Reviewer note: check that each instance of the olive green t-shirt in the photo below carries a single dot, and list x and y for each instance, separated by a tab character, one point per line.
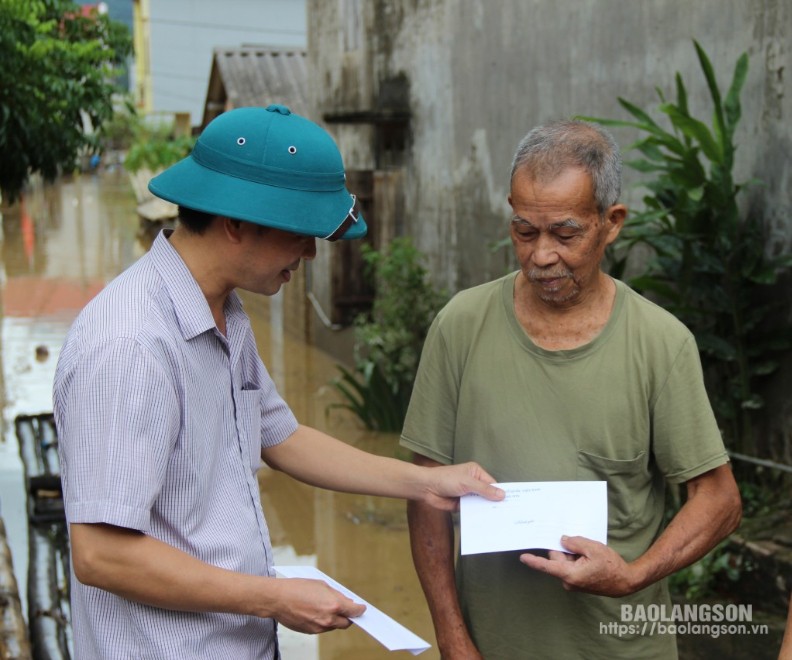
629	408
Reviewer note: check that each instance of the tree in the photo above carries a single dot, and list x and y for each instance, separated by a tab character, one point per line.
56	86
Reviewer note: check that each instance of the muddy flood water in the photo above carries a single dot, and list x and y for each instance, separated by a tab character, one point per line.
58	250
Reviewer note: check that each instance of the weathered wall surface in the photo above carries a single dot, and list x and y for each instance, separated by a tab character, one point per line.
481	73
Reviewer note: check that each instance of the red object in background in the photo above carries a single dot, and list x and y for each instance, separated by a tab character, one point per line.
28	228
33	297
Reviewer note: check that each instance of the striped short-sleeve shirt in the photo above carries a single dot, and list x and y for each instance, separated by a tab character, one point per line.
161	420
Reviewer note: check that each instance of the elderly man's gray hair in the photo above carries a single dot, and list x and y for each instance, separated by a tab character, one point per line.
546	151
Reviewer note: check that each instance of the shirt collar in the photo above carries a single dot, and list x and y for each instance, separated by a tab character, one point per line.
189	303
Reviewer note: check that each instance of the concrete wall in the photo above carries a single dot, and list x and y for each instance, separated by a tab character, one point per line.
481	73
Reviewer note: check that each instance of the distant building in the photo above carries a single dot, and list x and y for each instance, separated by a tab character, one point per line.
175	40
256	76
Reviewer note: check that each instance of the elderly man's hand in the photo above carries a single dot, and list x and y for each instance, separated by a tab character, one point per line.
593	567
446	484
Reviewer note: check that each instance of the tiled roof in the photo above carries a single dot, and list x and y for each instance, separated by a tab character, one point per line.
250	76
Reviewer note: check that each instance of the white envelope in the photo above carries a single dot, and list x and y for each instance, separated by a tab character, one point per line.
388	632
534	514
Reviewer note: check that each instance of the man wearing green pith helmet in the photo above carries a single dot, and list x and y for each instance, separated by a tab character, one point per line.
164	411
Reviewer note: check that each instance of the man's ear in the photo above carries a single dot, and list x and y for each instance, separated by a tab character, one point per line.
615	217
232	229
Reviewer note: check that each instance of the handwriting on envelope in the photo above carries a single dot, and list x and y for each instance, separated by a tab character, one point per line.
534	514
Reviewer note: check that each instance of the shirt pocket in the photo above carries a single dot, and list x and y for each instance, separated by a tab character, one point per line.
249	420
629	485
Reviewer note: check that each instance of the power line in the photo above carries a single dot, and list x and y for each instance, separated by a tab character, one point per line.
179	76
161	93
218	26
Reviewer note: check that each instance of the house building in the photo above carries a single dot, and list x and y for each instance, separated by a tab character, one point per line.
256	76
175	40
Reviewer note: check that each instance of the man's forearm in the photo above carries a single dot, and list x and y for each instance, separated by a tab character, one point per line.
322	460
432	544
139	567
712	511
143	569
431	540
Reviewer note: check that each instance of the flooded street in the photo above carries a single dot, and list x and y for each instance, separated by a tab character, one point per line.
58	250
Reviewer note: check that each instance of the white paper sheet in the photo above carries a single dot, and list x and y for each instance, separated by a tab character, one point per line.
388	632
534	514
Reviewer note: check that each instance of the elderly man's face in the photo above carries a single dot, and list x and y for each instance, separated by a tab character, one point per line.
558	235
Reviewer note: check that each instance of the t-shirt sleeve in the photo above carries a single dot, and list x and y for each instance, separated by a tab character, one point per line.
117	427
685	436
430	424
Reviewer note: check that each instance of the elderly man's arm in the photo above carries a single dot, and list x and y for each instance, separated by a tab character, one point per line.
712	511
432	542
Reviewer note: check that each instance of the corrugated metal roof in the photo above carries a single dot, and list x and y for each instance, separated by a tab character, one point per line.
256	76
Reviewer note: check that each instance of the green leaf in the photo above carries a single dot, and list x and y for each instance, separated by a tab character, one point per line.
682	103
696	130
765	275
765	368
712	84
716	346
644	166
732	104
781	262
754	402
649	148
611	122
646	120
646	283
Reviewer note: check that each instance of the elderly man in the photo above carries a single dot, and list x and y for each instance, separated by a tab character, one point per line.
164	411
559	372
